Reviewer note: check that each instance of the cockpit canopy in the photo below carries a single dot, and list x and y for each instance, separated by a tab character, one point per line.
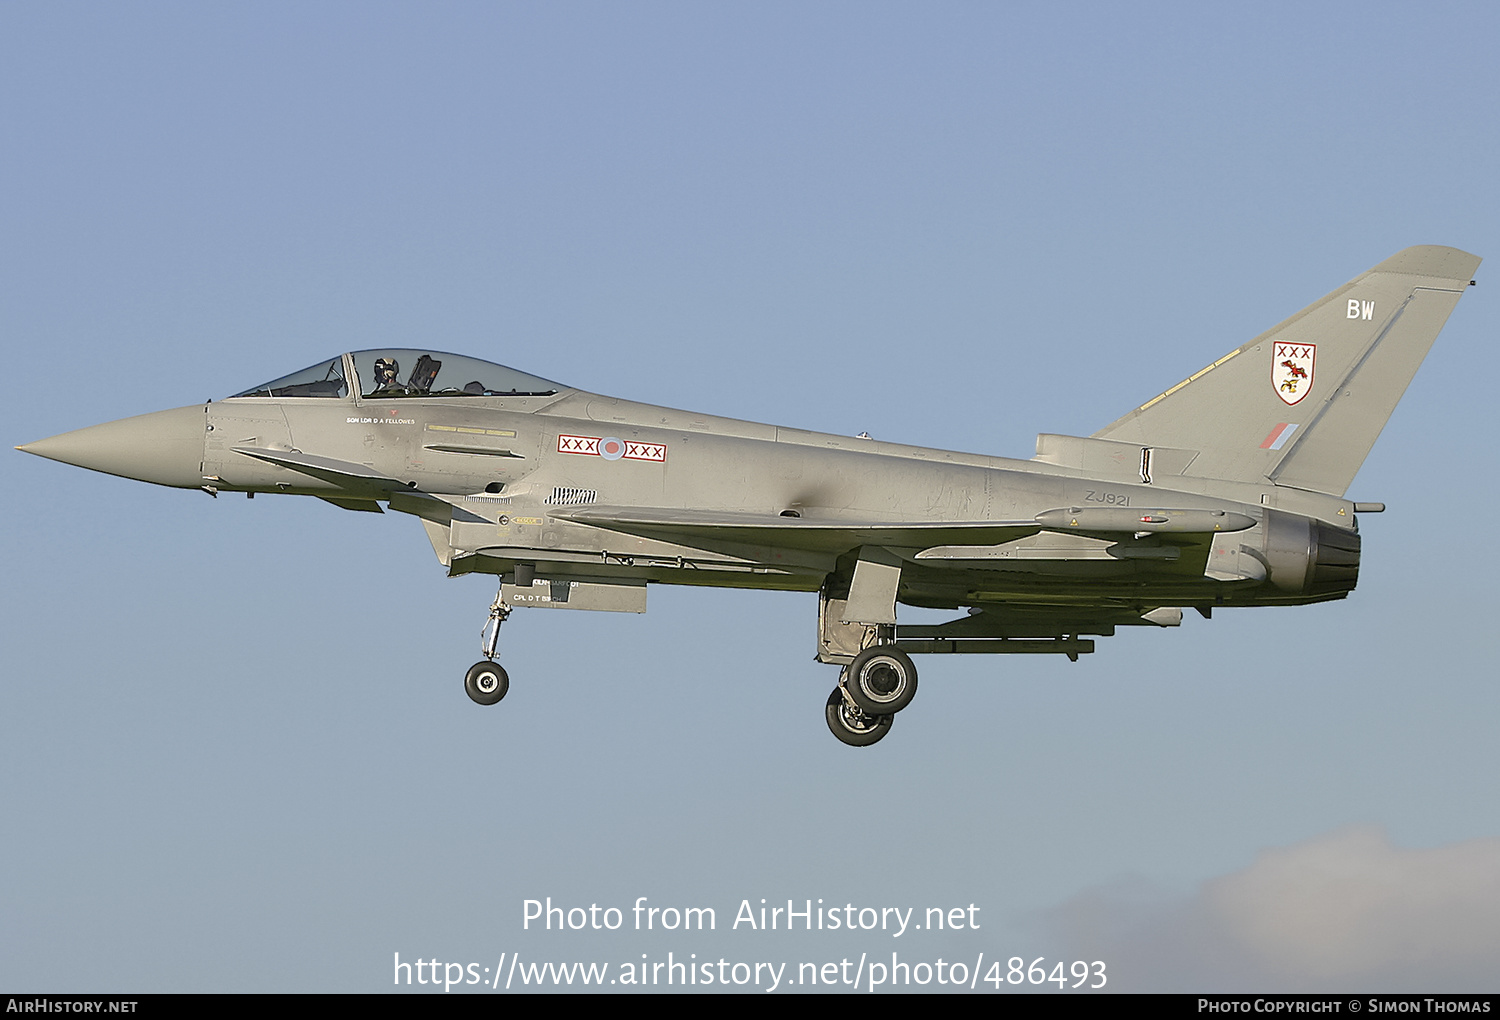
385	374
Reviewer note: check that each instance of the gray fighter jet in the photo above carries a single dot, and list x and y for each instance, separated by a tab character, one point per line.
1225	490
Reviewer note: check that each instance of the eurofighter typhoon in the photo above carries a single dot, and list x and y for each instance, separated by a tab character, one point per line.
1226	490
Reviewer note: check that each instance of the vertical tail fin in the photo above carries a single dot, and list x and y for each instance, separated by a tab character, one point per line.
1302	403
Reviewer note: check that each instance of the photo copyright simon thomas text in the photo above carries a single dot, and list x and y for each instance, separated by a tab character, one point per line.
1381	1004
869	972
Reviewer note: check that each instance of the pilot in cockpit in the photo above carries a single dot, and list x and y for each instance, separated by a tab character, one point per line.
385	375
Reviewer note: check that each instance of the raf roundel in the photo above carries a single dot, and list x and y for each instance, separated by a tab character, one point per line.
611	448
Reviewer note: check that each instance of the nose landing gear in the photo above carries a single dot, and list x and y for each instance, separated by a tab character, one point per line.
486	682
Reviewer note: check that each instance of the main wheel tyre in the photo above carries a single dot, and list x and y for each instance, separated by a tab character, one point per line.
852	726
881	680
486	682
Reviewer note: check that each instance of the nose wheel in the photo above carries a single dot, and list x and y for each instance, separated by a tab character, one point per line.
486	682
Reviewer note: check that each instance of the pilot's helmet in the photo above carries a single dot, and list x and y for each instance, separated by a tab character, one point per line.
385	372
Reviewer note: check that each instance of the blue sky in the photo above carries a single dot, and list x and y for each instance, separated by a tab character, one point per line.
234	749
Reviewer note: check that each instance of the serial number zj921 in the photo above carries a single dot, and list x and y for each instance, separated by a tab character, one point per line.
1111	498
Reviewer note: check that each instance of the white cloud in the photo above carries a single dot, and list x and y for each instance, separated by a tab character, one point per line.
1343	912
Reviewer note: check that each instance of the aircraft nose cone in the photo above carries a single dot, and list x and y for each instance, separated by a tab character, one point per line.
165	447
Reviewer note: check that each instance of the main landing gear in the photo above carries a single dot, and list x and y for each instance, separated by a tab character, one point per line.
486	682
880	682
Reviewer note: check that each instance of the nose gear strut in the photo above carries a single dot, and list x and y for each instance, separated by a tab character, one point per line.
499	613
